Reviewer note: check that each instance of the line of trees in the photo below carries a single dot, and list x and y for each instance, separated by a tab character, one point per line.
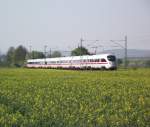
16	57
13	57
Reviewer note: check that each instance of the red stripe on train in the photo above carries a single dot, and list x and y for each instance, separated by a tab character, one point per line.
68	64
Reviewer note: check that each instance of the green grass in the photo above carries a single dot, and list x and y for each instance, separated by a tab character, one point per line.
32	98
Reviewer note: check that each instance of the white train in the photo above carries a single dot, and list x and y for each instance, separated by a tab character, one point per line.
102	61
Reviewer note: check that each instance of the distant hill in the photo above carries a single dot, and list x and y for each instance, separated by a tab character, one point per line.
134	53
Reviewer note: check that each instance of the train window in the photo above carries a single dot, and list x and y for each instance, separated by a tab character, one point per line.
84	60
103	60
36	63
96	60
91	60
111	58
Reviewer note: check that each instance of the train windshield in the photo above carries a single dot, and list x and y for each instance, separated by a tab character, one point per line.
111	58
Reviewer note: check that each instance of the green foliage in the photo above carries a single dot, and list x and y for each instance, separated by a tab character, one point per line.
10	56
16	57
57	98
36	55
80	51
56	54
19	55
147	63
3	61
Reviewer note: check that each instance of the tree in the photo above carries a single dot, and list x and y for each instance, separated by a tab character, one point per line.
36	55
19	56
147	63
80	51
56	54
3	60
10	56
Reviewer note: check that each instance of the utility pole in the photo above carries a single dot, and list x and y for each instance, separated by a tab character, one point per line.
81	43
125	49
50	53
126	52
81	40
96	47
45	46
30	52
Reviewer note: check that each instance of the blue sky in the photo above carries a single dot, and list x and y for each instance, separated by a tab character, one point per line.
60	24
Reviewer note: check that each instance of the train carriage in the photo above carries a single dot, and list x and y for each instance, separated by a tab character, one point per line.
102	61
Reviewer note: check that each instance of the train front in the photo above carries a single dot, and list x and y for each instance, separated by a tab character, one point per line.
112	62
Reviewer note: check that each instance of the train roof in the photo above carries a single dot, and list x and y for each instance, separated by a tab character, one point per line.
70	58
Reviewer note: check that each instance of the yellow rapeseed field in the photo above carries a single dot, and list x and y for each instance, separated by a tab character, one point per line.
62	98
